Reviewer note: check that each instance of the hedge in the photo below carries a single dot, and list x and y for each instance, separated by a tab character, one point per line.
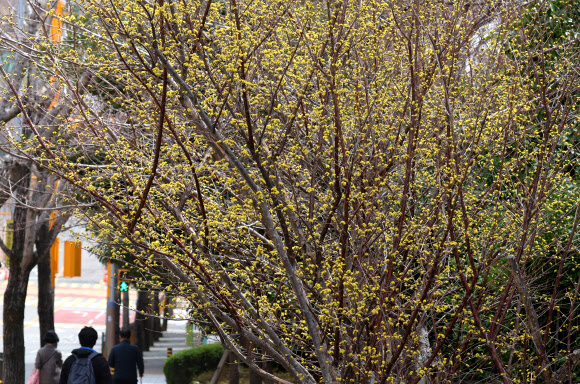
183	366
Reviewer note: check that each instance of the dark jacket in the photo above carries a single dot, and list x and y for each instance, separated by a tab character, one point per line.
125	358
51	361
100	367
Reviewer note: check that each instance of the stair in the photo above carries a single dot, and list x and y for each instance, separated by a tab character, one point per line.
173	338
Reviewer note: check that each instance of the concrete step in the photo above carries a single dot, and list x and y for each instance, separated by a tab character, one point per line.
173	338
170	339
163	350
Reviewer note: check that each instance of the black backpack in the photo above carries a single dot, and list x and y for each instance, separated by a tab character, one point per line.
81	371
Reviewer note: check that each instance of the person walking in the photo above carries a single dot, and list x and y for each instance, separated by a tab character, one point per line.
77	367
126	359
49	360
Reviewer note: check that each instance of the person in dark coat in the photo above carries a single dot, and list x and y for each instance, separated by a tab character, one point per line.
49	360
88	338
125	359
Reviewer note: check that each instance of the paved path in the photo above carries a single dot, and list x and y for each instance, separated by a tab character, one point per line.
173	338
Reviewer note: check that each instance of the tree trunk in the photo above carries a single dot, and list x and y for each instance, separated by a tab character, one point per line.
255	378
149	321
141	339
234	370
267	366
156	318
167	311
45	288
20	264
45	296
220	368
14	301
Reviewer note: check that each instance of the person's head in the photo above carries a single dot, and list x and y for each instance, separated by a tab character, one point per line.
125	333
88	337
51	337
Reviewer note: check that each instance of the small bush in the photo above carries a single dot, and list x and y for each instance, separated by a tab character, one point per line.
183	366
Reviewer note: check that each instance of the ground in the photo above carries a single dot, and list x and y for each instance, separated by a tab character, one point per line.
205	378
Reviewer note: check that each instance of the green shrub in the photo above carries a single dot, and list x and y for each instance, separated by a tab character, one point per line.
183	366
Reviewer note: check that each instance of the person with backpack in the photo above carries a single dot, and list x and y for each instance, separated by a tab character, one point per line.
49	360
85	365
125	359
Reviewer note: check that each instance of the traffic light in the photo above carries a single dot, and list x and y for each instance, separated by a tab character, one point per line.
123	281
123	286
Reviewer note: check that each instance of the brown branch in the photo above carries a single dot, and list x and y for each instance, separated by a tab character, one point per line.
9	114
5	249
26	116
156	155
531	317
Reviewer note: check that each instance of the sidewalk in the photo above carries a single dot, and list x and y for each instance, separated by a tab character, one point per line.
173	338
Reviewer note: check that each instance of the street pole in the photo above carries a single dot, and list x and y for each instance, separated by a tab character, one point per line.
125	296
112	311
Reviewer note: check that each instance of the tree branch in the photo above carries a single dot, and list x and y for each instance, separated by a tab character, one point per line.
9	114
562	375
5	249
531	317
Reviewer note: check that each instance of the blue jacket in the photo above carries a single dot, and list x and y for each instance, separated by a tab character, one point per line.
124	357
